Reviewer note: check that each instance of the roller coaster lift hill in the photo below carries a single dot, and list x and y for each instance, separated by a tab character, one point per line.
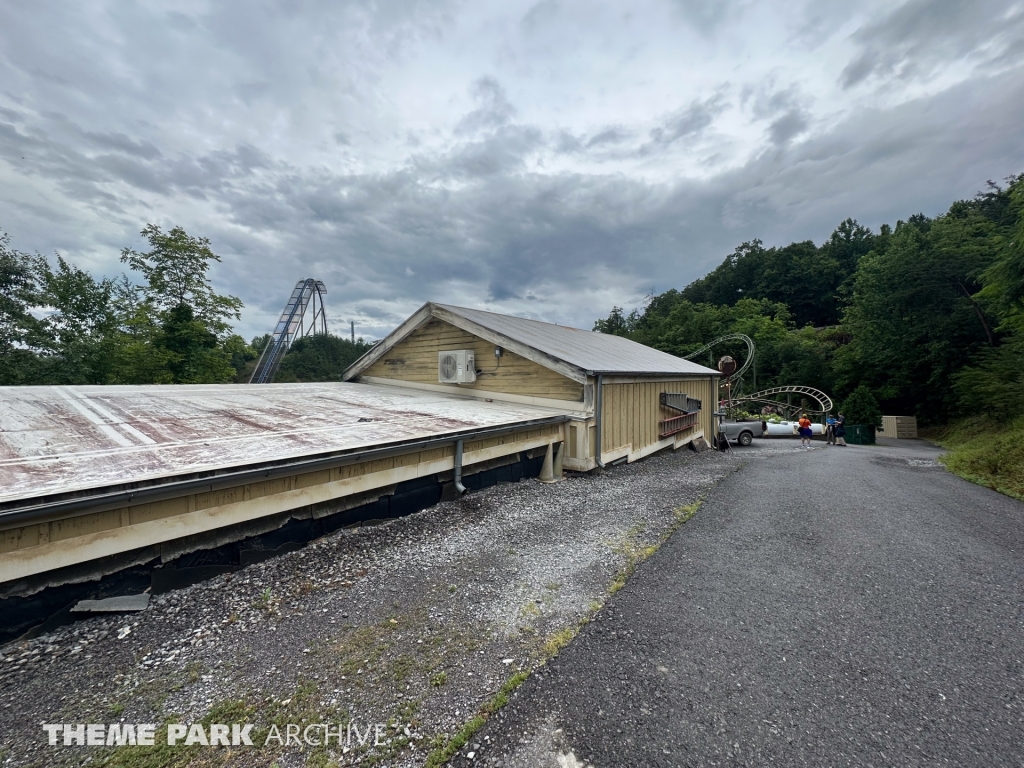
303	315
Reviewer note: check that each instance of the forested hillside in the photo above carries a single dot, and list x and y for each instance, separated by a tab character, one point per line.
926	314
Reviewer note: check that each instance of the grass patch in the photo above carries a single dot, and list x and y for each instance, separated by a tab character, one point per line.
558	641
685	512
162	755
986	452
444	750
636	554
530	610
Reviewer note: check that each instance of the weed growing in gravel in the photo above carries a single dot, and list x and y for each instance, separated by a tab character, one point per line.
685	512
266	602
530	610
444	750
636	554
558	641
360	647
439	679
402	667
161	755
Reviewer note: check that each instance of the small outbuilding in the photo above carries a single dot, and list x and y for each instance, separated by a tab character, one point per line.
625	400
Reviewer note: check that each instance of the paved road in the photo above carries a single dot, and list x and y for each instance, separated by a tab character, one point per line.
834	607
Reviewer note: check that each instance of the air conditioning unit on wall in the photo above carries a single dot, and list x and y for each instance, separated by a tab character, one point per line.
457	366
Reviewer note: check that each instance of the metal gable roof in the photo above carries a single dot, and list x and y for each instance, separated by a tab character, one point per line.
588	350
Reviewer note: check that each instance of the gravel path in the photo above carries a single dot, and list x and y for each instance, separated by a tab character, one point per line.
416	623
833	607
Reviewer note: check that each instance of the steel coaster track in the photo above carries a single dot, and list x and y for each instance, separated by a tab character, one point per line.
291	326
765	396
731	337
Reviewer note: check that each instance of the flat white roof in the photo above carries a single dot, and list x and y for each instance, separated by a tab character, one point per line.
56	440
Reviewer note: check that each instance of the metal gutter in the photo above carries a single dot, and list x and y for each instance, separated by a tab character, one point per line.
85	505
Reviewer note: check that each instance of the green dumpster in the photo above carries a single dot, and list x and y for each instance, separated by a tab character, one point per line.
860	434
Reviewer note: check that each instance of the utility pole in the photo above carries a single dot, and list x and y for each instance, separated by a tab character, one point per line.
353	331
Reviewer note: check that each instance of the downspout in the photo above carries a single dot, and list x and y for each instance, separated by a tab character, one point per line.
458	467
597	420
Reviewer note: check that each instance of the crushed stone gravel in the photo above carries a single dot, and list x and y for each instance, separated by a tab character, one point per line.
415	623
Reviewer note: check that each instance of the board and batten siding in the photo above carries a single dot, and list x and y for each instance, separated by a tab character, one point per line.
631	410
415	360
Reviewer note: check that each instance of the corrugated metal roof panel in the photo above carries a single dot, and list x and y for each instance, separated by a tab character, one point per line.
589	350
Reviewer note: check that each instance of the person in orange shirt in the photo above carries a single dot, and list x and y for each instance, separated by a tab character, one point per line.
805	431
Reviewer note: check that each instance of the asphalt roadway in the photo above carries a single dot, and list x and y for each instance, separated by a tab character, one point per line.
832	607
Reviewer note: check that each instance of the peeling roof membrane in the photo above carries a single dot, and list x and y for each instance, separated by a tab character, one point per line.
589	350
65	439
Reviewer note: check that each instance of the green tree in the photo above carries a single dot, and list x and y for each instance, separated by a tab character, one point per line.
617	323
20	330
861	407
175	271
195	354
76	337
320	357
994	383
811	281
239	354
135	356
915	319
1003	279
192	317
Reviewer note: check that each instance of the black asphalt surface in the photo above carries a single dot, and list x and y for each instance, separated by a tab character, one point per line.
833	607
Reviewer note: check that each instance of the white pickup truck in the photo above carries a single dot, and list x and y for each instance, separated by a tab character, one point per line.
742	432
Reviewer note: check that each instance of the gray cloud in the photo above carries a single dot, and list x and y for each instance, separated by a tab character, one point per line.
708	15
494	109
920	36
688	122
785	109
316	143
789	125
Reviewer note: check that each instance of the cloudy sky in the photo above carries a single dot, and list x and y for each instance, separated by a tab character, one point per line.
547	158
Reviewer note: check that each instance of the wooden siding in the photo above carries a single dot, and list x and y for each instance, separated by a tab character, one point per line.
415	359
41	547
631	412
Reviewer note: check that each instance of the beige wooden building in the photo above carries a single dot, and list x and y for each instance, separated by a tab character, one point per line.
94	480
612	388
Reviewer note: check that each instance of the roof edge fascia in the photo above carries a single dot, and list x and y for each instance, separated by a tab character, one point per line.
638	374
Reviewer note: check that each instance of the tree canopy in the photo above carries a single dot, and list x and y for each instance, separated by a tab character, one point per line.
60	325
928	315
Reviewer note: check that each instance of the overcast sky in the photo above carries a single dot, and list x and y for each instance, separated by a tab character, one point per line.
548	159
